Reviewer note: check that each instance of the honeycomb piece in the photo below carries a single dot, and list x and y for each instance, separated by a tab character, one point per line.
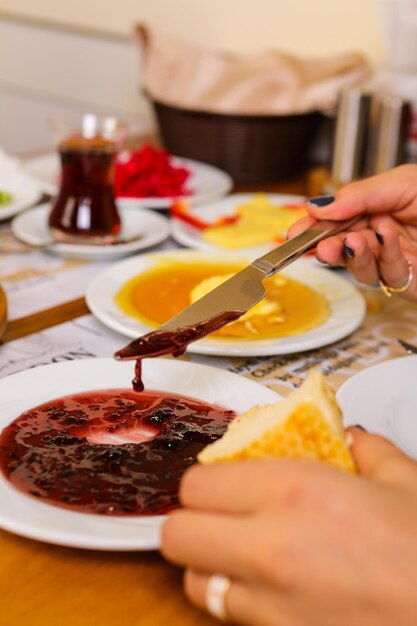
307	424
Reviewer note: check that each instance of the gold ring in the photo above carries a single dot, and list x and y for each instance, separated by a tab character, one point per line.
216	592
388	291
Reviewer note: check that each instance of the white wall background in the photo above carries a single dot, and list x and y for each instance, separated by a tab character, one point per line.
305	26
57	55
45	71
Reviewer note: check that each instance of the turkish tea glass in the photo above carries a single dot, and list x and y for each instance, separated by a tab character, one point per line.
85	210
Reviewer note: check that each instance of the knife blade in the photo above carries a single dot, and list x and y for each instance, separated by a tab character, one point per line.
234	297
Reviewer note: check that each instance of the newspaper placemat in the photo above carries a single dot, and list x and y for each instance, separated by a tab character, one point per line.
82	338
36	280
376	341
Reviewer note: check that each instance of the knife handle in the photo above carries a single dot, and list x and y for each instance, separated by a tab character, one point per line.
291	250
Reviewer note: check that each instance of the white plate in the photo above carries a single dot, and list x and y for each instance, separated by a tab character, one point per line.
206	181
346	303
45	168
383	399
24	191
190	237
32	227
28	517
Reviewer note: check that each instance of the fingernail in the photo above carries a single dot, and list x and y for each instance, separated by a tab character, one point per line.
348	251
360	427
320	201
329	265
379	238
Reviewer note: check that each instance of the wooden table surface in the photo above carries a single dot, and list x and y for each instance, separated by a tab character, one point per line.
46	585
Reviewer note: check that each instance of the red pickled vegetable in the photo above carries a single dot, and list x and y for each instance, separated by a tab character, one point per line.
149	172
181	211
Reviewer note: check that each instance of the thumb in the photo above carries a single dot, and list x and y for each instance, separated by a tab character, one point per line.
384	193
381	460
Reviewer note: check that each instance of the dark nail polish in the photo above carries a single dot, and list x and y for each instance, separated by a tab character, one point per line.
360	428
379	238
320	201
348	251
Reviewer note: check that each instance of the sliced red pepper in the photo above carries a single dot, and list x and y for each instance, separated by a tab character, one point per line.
181	211
279	239
298	206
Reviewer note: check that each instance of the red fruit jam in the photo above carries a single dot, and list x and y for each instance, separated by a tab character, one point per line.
113	452
174	342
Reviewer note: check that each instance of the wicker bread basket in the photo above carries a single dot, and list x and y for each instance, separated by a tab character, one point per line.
251	148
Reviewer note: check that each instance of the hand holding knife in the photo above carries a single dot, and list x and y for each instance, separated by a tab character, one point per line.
230	300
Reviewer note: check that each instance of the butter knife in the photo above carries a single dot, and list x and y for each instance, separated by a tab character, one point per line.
230	300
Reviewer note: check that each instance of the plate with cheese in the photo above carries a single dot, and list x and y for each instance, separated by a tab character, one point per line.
243	222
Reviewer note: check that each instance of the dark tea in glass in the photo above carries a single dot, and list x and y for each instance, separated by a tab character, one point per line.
85	207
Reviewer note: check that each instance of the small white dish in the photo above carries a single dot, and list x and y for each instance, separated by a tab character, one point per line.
24	192
206	181
191	237
347	306
26	516
383	400
31	227
45	168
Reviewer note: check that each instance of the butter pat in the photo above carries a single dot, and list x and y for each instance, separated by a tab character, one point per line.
264	308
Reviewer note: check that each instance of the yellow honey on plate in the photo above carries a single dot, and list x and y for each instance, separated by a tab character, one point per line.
169	286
